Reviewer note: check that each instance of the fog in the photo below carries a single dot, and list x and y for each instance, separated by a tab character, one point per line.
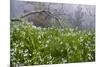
70	15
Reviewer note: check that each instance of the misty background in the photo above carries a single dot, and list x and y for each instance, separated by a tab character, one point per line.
57	14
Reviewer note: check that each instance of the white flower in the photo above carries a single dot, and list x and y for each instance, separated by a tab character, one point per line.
20	51
50	57
68	49
12	53
48	41
89	58
46	45
26	50
61	42
23	33
63	60
50	62
89	55
44	28
39	37
75	47
15	49
29	60
40	42
14	44
79	31
30	54
22	45
67	44
81	39
57	38
38	28
17	29
61	50
34	26
68	34
89	33
62	29
71	30
12	50
25	54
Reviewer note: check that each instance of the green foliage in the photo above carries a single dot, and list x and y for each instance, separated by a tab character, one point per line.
32	45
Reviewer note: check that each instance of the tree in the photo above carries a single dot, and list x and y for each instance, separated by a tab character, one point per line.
46	17
78	17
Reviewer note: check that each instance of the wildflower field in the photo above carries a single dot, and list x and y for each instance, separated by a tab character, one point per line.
30	45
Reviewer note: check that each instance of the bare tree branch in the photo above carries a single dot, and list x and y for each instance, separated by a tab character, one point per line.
41	11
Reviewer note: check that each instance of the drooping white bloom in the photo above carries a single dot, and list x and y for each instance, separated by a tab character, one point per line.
71	30
34	26
63	60
46	45
26	50
17	29
62	50
61	42
20	51
40	42
39	28
39	37
48	41
25	54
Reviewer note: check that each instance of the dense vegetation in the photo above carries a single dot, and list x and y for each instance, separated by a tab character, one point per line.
32	45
